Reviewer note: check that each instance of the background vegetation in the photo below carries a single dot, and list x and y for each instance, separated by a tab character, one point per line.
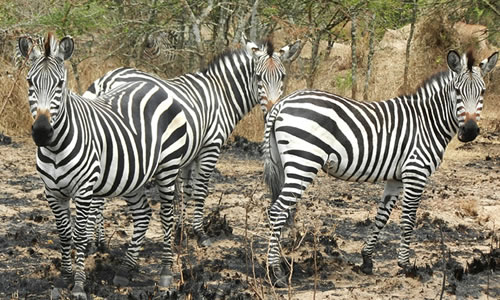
351	47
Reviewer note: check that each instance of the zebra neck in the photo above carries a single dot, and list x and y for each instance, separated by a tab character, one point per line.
437	111
65	125
235	79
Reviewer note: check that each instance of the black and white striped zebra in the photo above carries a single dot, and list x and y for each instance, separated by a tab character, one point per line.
400	141
214	101
161	45
105	147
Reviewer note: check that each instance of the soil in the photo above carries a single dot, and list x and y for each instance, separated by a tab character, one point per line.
456	235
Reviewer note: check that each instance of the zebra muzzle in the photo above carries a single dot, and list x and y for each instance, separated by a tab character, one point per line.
42	131
468	132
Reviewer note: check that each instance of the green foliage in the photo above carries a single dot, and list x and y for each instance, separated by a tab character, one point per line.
344	82
8	14
77	19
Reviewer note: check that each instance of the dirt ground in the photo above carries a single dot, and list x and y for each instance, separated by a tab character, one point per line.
462	198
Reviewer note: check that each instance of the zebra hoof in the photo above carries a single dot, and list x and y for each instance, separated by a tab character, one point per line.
78	292
67	278
102	248
367	266
166	277
404	267
120	280
204	241
281	279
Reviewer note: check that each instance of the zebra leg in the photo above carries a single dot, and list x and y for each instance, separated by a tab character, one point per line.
279	213
391	193
95	224
83	203
200	177
166	190
60	209
413	189
140	211
101	238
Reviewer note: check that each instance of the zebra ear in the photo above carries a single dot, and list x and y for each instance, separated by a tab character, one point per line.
26	48
66	47
291	51
244	39
488	64
251	47
454	62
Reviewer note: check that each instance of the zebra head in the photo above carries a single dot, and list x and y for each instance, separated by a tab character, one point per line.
269	70
469	88
47	82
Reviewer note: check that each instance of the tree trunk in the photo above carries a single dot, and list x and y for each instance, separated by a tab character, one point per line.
408	45
195	29
371	51
74	65
243	21
354	68
219	39
288	63
254	21
314	61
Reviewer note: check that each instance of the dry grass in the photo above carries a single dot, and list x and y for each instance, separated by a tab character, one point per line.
469	208
252	126
15	118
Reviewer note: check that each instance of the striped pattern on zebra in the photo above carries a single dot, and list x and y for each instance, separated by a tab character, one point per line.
400	141
161	45
106	147
214	101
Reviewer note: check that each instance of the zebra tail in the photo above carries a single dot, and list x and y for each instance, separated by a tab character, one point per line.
274	175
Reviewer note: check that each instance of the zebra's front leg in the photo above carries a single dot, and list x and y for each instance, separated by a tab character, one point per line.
166	190
60	209
141	212
83	202
411	201
391	193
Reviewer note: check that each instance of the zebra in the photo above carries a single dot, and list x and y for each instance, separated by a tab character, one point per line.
214	101
161	44
400	141
105	147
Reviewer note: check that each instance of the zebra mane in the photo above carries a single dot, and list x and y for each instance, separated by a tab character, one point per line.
230	52
220	57
470	60
269	46
441	78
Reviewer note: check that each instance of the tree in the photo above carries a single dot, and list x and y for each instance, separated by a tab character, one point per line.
408	44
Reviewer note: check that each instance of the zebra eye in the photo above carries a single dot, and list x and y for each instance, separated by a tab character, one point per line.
259	77
482	92
60	83
30	83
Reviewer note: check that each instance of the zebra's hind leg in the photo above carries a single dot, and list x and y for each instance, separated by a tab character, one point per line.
279	214
391	193
166	189
95	224
140	211
199	191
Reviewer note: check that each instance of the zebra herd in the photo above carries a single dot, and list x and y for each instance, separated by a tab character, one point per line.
130	127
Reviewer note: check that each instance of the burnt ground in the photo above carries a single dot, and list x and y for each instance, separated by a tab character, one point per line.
461	204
